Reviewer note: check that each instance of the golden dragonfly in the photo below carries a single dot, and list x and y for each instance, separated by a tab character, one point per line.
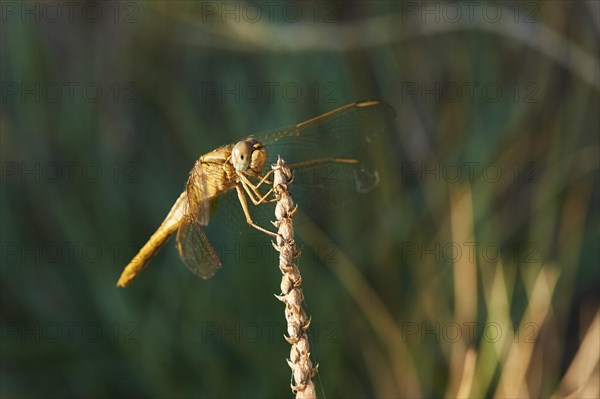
336	137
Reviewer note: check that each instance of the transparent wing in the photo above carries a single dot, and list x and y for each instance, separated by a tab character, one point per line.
347	132
198	189
195	249
356	131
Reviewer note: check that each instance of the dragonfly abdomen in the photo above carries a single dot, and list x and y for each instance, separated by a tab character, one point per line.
156	241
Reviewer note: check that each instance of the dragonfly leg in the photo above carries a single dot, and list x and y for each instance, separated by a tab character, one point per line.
255	186
249	185
244	203
265	177
263	199
252	190
263	180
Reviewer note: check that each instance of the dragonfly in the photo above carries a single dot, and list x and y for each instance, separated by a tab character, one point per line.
337	137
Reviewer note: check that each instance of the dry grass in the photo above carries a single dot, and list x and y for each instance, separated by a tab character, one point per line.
291	282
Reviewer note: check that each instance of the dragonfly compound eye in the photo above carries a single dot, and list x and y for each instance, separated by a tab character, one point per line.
241	155
259	157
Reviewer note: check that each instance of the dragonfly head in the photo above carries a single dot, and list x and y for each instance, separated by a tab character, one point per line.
249	155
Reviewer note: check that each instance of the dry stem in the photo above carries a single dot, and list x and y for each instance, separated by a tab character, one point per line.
291	291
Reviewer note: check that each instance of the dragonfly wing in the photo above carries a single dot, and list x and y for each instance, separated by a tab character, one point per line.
198	190
356	131
347	132
195	249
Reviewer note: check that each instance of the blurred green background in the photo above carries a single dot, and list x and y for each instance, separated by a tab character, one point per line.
471	271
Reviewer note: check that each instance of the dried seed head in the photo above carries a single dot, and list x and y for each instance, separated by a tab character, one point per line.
286	231
291	281
302	346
